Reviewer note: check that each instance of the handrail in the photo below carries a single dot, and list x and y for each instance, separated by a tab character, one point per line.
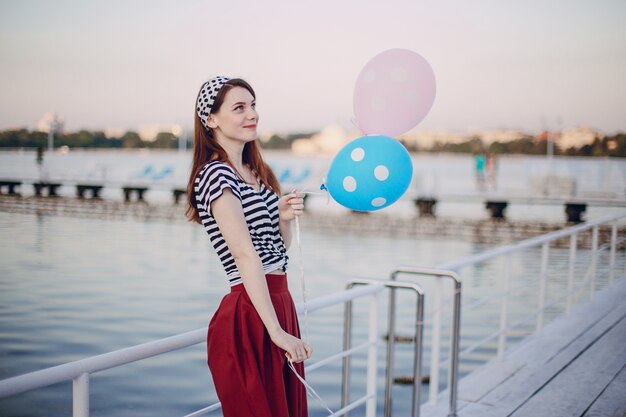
505	251
574	290
528	243
417	360
456	329
72	370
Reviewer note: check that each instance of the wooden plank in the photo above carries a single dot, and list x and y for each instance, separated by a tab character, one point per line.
482	381
537	350
536	360
542	348
612	401
474	409
507	385
574	388
561	337
522	386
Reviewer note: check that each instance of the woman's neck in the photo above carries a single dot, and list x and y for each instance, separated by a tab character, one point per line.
234	151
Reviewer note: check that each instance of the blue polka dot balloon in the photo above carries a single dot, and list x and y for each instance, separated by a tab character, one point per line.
370	173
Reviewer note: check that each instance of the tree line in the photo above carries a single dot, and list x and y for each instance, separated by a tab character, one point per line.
23	138
613	146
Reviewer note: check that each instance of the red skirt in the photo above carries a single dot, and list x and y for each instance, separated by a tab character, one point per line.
251	375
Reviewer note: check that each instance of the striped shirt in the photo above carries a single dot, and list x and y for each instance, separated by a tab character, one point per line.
260	209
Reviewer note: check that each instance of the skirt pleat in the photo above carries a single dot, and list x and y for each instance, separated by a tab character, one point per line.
251	375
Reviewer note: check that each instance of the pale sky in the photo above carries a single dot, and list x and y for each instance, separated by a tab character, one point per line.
499	64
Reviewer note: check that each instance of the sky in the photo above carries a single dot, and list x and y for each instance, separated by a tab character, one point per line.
120	65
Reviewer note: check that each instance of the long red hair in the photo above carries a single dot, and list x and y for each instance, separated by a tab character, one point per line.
206	149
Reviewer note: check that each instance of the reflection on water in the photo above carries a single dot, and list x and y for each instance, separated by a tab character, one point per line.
73	288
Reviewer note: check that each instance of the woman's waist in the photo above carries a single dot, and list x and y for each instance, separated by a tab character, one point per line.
276	282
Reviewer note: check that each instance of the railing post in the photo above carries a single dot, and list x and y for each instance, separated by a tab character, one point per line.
435	344
594	261
372	358
417	365
417	357
391	334
504	307
456	323
347	335
613	248
542	284
573	241
80	397
453	375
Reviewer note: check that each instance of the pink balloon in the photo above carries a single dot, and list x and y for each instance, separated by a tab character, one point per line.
393	93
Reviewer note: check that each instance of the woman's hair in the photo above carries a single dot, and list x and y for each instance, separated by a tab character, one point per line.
206	149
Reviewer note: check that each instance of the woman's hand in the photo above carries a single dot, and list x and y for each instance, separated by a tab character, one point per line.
290	206
295	349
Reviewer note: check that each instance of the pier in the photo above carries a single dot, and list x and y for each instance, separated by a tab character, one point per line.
576	366
494	203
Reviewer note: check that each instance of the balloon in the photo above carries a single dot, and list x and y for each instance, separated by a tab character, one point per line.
370	173
393	93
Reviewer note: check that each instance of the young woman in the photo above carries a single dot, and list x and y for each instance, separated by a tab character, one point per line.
234	194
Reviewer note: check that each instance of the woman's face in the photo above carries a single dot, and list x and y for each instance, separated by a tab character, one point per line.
237	117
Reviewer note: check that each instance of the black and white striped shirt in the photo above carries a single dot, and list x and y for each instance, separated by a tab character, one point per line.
260	209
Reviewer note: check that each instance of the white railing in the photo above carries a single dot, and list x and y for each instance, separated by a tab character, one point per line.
505	254
80	371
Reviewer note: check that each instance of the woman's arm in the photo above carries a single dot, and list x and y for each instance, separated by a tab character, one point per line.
289	206
229	217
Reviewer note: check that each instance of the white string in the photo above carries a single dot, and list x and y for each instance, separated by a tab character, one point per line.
301	264
302	284
312	192
301	267
309	389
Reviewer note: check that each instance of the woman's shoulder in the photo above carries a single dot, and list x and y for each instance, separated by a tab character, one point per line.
213	178
217	168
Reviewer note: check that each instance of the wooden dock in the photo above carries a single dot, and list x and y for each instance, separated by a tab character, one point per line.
575	367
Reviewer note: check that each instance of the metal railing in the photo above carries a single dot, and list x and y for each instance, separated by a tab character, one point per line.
80	371
505	253
417	358
438	274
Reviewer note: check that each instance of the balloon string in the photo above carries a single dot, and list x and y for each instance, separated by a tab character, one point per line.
309	389
302	284
324	191
301	268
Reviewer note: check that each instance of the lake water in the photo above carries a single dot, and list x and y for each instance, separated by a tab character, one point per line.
72	288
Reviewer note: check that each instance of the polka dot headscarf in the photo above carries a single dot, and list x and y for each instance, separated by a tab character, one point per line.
206	98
